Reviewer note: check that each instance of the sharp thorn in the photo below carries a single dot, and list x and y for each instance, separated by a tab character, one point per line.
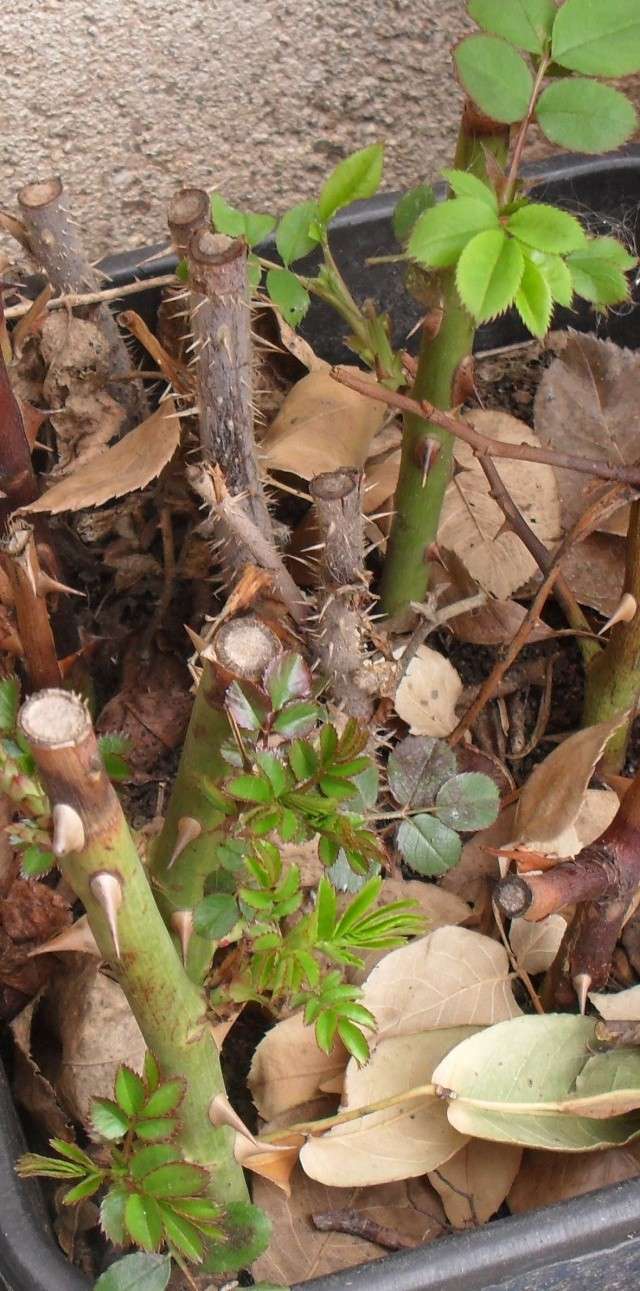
182	923
68	830
581	986
106	888
188	830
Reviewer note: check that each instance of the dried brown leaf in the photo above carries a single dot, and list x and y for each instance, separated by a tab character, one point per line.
475	1182
31	1088
453	977
495	623
472	524
427	694
321	426
594	569
547	1177
399	1142
553	795
278	1083
535	945
128	465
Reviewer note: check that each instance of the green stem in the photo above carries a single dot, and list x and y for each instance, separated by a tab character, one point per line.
422	482
98	859
613	679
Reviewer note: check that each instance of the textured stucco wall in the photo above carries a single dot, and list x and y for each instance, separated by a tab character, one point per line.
259	98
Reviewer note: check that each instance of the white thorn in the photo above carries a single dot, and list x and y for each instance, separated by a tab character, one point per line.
581	986
624	613
68	830
107	890
47	585
182	923
188	830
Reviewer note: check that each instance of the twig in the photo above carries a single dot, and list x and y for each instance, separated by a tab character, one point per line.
515	964
431	621
20	560
356	1224
77	300
483	445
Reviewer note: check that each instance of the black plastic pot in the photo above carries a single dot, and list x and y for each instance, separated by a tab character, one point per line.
587	1244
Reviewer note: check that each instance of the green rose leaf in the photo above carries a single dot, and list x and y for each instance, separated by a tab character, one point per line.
156	1128
136	1273
86	1188
254	272
525	23
216	915
257	227
143	1221
288	677
464	184
288	295
533	299
113	750
557	275
601	38
108	1120
146	1159
226	219
529	1079
176	1179
495	76
247	1233
489	273
34	862
293	239
545	228
468	801
163	1100
585	115
417	767
598	271
296	720
356	177
9	701
181	1233
129	1091
427	845
442	233
251	788
112	1215
410	206
247	704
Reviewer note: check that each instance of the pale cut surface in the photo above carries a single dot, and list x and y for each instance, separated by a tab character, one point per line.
278	1080
453	977
474	1183
472	524
398	1142
130	464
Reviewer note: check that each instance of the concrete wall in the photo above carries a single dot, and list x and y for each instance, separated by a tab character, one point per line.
259	98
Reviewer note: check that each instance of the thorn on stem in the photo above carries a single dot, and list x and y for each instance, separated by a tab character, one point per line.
581	986
182	924
187	831
107	890
68	830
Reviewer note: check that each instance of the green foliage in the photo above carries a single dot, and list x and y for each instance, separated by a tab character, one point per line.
114	748
254	228
524	23
598	39
356	177
293	237
428	846
136	1273
288	294
495	76
441	233
598	271
533	300
489	273
410	206
585	115
9	701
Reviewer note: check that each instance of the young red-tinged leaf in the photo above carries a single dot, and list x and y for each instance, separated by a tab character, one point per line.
464	184
108	1120
166	1098
585	116
293	240
353	1040
328	850
428	846
129	1091
442	233
176	1179
495	76
143	1221
489	273
216	915
150	1072
328	742
286	678
599	39
247	1232
181	1233
200	1209
274	770
136	1273
112	1215
468	801
85	1188
288	295
296	719
156	1129
149	1158
356	177
251	788
545	228
524	23
533	300
247	704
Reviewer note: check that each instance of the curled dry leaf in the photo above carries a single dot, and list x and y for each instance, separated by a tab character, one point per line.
472	524
552	796
400	1142
547	1177
277	1083
495	623
594	570
624	1006
299	1251
475	1182
535	945
427	694
31	1088
321	426
128	465
453	977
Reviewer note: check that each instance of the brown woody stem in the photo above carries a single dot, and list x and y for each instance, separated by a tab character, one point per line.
343	588
56	246
188	212
20	560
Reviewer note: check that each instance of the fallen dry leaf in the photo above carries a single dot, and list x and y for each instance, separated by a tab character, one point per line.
398	1142
624	1006
130	464
535	945
427	694
547	1177
552	796
495	623
474	1183
453	977
321	426
594	570
31	1088
276	1082
472	524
